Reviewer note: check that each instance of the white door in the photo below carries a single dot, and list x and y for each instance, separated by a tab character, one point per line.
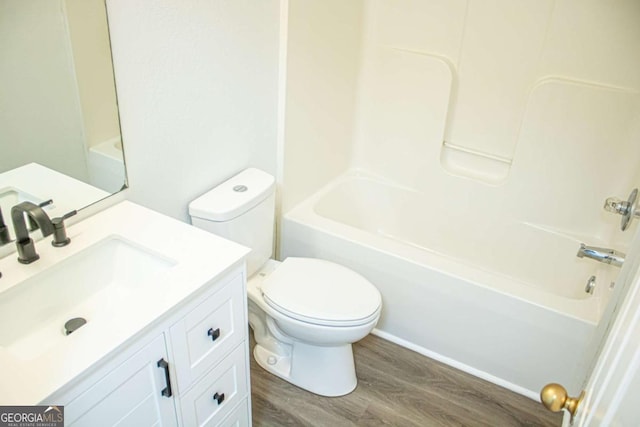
612	392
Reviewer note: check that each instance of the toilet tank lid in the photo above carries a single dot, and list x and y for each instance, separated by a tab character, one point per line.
233	197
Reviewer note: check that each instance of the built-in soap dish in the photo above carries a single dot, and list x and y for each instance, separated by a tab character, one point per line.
473	164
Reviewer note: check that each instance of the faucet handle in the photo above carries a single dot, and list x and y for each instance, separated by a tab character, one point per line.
59	232
615	205
626	208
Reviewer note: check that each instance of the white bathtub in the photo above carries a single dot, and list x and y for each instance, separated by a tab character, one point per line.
501	299
105	162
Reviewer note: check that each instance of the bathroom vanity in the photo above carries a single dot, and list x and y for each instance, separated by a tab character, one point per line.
165	340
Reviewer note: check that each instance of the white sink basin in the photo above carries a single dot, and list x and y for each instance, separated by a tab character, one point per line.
91	284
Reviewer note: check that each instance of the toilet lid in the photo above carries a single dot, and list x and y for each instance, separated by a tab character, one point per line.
321	292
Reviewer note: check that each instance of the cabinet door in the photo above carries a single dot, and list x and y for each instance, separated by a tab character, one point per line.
136	393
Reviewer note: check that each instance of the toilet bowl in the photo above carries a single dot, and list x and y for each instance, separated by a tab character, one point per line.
305	313
302	337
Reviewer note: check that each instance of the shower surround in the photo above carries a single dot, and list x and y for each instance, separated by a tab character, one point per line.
456	153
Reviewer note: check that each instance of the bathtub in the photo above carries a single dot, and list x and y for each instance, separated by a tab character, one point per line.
105	162
499	298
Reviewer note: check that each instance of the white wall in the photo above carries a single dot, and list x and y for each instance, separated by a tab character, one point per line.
40	116
197	87
322	61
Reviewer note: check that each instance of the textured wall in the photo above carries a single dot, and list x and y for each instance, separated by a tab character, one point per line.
197	87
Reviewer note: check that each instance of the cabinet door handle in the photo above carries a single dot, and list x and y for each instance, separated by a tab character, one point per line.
218	397
214	334
166	392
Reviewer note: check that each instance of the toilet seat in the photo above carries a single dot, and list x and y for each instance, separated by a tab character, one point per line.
321	292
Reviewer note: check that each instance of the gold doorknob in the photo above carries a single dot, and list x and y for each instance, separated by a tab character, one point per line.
555	398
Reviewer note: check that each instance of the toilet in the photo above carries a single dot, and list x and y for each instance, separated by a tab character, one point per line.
305	313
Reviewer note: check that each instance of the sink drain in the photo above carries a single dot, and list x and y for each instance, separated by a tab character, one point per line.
73	324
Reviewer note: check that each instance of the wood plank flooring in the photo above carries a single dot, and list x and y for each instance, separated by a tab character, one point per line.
396	387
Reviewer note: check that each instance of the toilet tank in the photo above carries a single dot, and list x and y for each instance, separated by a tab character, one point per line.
240	209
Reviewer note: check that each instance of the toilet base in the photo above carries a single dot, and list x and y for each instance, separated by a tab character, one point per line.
327	371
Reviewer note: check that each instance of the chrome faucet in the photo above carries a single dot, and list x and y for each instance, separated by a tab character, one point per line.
604	255
26	248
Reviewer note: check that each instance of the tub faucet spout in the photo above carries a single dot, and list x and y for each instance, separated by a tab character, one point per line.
604	255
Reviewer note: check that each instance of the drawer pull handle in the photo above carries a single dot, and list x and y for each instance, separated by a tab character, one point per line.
166	392
218	397
214	333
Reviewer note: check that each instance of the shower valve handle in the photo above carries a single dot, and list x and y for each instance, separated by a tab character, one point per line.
626	208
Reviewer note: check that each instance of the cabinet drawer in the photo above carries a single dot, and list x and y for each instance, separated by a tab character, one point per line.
218	392
207	333
239	417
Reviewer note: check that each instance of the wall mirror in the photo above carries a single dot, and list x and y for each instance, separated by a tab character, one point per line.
59	127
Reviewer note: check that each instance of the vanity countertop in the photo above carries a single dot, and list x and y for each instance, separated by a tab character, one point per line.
194	259
40	183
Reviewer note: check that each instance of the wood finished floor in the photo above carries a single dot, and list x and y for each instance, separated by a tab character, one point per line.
396	387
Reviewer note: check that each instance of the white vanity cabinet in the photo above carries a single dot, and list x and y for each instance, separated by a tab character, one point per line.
190	369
